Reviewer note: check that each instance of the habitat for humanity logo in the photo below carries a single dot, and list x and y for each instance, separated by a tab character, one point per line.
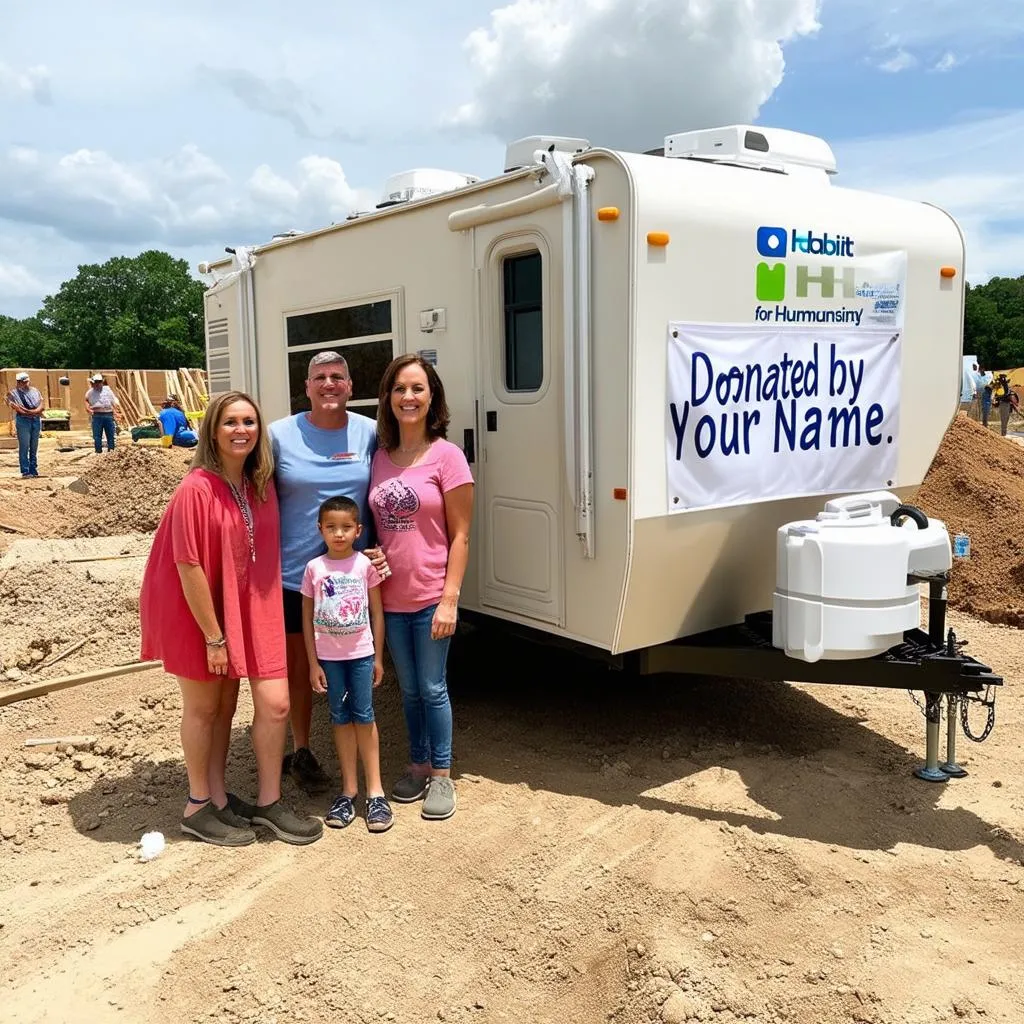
815	286
777	243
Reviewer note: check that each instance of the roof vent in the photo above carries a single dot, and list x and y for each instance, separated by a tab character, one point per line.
768	149
519	154
407	186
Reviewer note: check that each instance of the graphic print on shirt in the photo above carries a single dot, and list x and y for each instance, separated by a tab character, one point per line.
341	608
397	504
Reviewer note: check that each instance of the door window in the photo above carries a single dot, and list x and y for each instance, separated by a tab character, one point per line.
523	322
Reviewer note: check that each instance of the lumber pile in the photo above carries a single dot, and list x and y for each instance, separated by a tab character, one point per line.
139	391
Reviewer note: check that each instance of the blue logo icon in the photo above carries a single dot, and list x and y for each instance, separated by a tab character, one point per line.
772	241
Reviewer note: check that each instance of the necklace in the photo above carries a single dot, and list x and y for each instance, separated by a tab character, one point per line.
414	448
242	501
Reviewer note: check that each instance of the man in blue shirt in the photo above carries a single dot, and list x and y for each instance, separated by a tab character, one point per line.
317	455
174	425
27	405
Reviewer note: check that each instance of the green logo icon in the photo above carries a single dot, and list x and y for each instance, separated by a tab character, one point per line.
771	282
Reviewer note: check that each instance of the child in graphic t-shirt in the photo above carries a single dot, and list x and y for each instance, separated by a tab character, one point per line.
343	627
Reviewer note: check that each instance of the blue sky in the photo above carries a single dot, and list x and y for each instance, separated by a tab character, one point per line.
190	129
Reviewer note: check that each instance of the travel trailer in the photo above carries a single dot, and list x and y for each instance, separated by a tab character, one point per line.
665	369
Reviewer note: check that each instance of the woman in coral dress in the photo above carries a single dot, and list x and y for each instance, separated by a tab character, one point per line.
211	612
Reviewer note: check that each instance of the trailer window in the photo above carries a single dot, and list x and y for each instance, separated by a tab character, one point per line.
331	325
524	333
361	333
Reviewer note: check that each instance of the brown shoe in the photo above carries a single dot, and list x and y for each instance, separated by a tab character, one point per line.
287	825
208	826
307	773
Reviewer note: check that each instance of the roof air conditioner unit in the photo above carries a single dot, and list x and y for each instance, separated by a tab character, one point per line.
770	149
407	186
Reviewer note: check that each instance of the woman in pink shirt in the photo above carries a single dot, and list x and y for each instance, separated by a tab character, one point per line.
421	494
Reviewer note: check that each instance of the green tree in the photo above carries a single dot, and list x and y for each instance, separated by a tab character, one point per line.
27	342
141	312
994	322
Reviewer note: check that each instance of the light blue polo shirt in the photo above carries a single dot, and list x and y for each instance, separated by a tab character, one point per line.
312	465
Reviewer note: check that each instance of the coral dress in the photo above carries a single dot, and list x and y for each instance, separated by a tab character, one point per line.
202	525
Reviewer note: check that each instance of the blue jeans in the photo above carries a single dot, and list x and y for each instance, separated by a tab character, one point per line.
420	664
353	680
103	425
27	428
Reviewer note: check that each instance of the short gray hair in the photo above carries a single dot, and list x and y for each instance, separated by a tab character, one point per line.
325	359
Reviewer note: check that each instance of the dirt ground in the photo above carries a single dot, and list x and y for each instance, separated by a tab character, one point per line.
665	850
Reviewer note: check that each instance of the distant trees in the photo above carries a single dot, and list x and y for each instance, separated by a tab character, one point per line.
135	312
994	323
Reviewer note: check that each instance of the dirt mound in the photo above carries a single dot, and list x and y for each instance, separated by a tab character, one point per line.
124	491
976	486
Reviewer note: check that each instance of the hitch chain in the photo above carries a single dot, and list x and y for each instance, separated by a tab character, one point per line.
988	701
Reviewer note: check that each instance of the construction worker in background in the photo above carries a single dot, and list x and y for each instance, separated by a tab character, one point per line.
174	427
102	405
983	386
27	405
1007	400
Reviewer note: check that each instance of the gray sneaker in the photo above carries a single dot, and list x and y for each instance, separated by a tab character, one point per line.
409	788
440	799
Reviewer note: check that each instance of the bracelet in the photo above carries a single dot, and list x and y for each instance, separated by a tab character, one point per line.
221	642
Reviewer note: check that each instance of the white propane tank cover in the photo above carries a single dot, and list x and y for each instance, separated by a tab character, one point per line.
751	146
841	589
520	153
407	186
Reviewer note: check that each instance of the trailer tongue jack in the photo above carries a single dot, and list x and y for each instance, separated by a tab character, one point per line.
932	663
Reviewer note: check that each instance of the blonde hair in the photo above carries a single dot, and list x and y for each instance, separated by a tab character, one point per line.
259	464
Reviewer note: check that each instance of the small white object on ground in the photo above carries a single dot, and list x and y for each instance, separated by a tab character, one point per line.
151	845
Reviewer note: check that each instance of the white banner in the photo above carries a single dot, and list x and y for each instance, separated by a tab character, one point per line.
758	414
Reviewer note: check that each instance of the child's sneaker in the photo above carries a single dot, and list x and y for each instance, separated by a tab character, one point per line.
342	812
379	817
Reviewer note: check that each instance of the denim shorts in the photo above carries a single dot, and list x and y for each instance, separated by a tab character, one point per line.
350	690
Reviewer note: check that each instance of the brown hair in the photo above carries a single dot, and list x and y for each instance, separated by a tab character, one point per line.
259	463
437	415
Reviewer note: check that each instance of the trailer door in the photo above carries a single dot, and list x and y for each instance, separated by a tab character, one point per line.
521	487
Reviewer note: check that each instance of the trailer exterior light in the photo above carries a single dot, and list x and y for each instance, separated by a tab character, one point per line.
619	493
657	238
608	213
948	272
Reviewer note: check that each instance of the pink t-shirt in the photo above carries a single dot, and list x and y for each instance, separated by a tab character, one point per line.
340	589
408	506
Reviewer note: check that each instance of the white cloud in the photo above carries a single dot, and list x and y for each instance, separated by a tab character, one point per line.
899	61
17	282
971	169
625	73
946	62
185	199
33	82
